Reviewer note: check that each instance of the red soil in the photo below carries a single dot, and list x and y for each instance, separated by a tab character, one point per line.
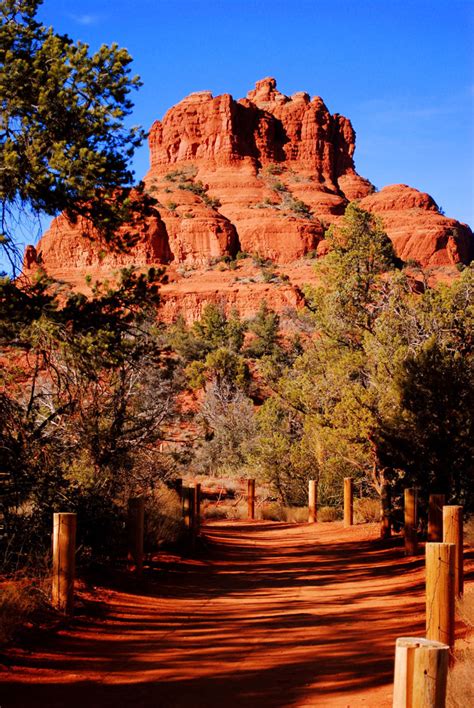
265	614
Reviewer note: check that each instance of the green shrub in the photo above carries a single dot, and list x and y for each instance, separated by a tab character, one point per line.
212	202
175	175
195	187
269	274
300	208
261	262
274	169
279	187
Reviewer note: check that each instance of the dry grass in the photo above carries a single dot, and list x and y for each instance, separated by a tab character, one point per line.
469	532
164	518
273	511
366	510
465	608
223	510
20	600
460	693
328	513
296	514
460	677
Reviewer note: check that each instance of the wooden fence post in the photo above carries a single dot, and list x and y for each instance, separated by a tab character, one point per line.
197	506
64	561
251	499
421	669
136	529
435	517
440	592
188	507
312	501
192	515
348	501
411	522
453	533
386	511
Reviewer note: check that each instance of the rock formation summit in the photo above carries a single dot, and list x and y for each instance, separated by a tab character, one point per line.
266	175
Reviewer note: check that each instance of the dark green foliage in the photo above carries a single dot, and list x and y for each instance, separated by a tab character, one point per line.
265	328
194	187
279	187
199	190
213	331
427	346
433	442
274	169
348	303
87	398
386	388
278	452
299	207
176	176
64	144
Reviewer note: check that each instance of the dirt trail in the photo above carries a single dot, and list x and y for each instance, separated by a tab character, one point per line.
267	615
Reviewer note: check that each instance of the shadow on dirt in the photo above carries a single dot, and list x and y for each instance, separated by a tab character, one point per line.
268	615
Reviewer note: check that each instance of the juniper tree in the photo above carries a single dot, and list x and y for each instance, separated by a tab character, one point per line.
64	143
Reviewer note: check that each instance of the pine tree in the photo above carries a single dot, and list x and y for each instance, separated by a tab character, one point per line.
64	144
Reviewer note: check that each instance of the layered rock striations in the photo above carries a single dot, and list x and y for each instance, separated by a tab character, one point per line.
264	175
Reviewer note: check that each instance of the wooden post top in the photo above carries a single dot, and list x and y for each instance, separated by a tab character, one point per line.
415	642
438	543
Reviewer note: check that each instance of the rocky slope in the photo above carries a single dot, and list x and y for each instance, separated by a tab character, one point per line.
262	175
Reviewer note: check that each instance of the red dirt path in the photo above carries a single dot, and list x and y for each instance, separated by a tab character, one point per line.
266	614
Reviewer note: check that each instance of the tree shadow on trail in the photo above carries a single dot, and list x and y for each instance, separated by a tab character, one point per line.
265	615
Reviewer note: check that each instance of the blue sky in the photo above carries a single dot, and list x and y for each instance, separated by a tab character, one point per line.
401	70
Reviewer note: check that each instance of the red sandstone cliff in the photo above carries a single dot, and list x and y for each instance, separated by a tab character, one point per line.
265	174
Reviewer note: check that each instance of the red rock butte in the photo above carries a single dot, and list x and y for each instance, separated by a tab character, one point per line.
266	175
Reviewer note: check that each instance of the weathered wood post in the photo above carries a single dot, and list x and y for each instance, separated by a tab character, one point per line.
312	501
192	515
421	669
197	507
188	507
440	592
348	501
411	522
435	517
453	533
64	561
251	499
136	529
385	511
